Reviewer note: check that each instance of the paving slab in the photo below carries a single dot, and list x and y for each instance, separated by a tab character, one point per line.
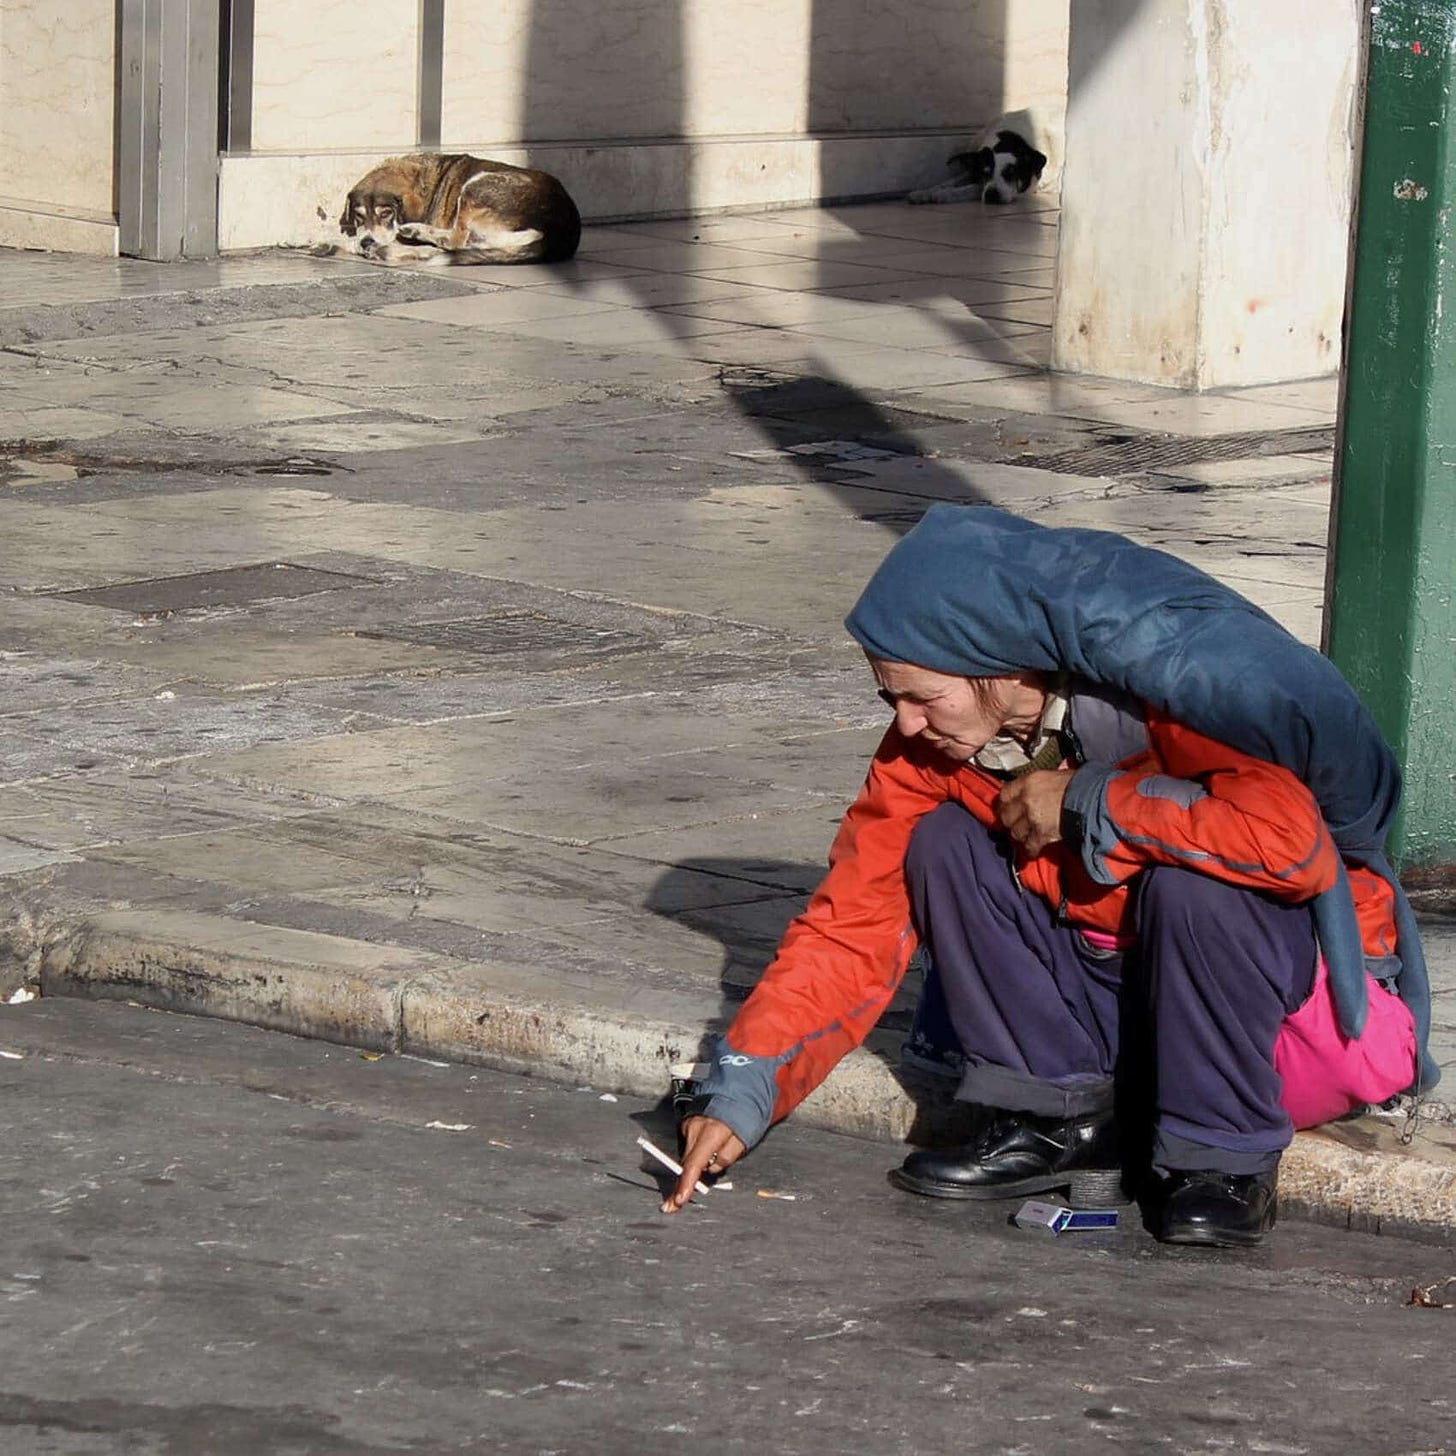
199	294
541	776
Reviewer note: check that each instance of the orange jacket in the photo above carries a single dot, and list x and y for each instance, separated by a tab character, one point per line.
1241	819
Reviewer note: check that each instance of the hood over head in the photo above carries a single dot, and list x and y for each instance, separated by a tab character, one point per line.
976	591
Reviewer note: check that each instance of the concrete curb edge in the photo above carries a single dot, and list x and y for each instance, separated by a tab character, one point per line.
383	998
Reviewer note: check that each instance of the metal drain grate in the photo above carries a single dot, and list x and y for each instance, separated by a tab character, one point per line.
1134	454
235	586
296	465
906	516
512	631
750	376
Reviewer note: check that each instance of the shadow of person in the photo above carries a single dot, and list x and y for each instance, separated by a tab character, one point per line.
747	905
828	429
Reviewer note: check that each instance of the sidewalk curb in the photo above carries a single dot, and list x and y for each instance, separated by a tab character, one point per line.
384	998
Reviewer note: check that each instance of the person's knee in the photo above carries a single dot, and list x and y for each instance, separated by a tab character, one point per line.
1167	890
940	838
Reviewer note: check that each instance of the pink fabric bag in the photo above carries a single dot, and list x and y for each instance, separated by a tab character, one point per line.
1325	1074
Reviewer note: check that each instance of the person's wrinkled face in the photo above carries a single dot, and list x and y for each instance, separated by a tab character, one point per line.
959	715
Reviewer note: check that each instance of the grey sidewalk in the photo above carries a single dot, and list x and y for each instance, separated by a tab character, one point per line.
451	661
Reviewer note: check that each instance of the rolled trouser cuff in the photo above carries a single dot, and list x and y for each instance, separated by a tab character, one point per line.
1081	1095
1173	1153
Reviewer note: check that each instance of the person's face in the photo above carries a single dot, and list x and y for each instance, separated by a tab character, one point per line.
959	715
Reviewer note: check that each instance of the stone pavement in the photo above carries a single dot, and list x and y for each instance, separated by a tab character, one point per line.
450	661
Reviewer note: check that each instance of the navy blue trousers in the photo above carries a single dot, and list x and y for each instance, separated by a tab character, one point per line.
1042	1022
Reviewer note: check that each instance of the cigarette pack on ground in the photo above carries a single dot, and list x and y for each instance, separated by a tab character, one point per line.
1054	1218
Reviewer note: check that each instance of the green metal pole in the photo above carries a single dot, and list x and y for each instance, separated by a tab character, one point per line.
1390	623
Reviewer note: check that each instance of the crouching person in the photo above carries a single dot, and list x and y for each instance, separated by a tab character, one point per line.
1137	829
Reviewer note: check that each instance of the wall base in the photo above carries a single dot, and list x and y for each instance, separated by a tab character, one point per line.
34	225
294	199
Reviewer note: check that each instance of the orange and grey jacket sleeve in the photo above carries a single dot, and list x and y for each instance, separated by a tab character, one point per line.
838	964
1200	805
740	1089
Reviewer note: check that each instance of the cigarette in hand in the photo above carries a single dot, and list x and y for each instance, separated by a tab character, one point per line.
672	1163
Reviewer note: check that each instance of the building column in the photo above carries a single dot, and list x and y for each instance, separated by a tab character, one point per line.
167	143
1391	613
1206	189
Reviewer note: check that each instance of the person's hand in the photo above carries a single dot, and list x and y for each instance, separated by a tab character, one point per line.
1030	808
710	1147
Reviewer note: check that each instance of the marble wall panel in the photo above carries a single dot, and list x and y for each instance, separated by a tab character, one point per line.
933	63
1035	57
57	89
335	73
545	70
565	70
485	79
748	67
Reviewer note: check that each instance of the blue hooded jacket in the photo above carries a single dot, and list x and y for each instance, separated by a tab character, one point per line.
978	592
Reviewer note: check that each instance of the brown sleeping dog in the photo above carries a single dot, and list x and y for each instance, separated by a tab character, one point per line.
434	208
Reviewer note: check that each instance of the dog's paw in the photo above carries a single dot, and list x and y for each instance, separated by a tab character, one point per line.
415	234
920	195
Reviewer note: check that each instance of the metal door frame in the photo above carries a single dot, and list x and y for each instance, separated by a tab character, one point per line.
167	141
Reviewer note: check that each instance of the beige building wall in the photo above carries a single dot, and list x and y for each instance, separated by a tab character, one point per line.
57	128
334	74
643	107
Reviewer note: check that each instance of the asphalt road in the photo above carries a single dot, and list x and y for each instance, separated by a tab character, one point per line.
224	1242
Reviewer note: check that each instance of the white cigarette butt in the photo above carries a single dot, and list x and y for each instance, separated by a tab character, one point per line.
671	1163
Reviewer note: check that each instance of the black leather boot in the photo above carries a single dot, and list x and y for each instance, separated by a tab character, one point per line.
1012	1154
1228	1209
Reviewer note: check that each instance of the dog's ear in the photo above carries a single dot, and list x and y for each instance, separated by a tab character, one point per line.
347	225
980	165
1026	155
977	166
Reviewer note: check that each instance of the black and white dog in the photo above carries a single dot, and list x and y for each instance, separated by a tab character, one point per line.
1012	159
